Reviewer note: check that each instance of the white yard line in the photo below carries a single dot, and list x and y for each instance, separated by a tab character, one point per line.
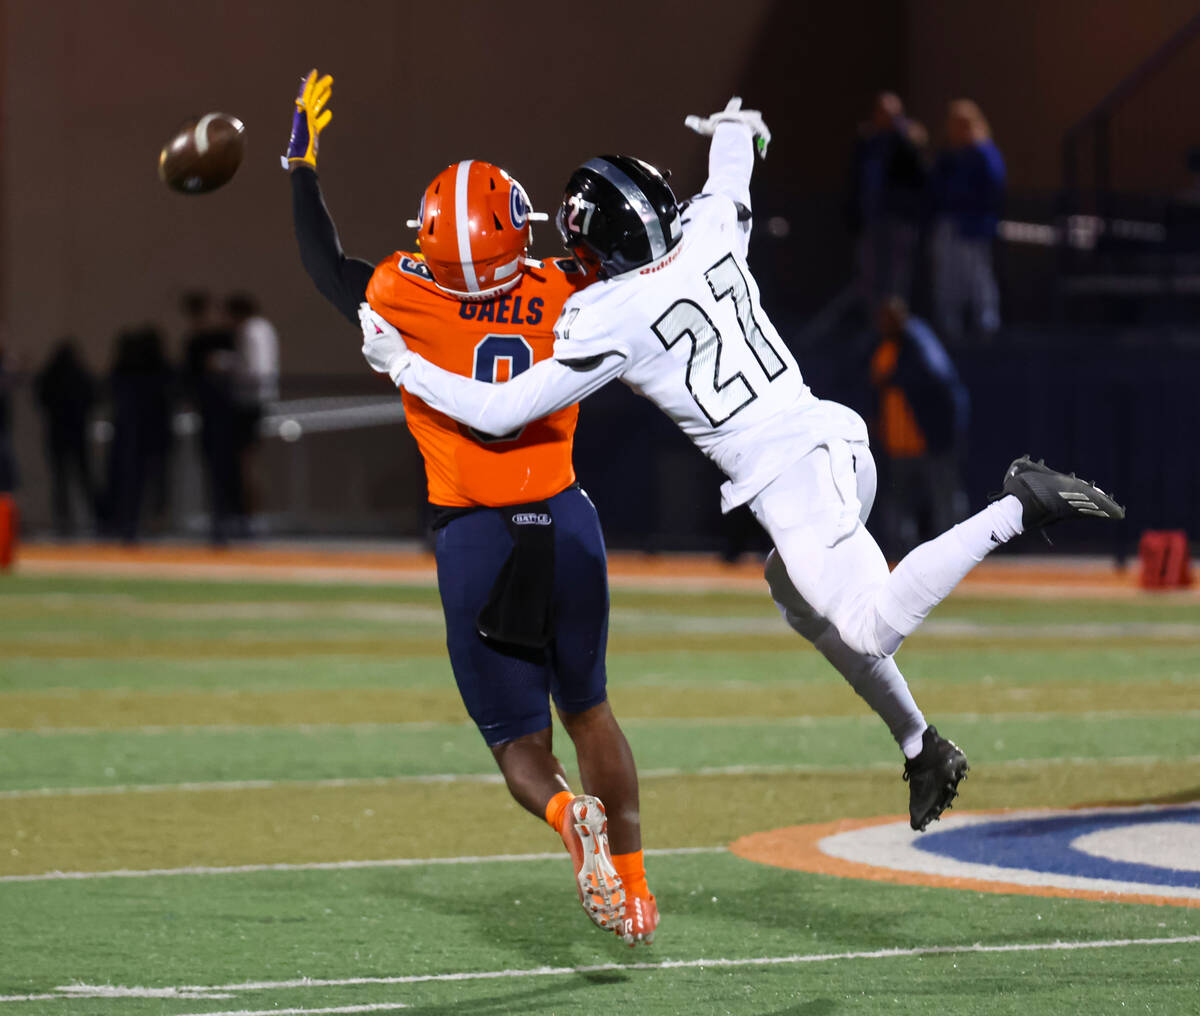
397	862
76	991
782	769
200	786
173	993
374	1007
162	729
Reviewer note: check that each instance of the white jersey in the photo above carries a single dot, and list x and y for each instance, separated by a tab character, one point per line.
688	333
696	342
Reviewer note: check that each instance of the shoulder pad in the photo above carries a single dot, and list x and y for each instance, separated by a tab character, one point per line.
410	265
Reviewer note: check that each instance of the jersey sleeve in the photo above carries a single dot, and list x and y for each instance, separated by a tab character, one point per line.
580	336
730	164
545	388
340	279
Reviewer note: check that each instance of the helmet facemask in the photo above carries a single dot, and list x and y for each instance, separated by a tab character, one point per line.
621	212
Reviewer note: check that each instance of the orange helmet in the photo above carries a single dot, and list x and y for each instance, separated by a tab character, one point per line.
473	229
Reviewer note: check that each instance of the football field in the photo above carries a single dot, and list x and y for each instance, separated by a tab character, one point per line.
257	791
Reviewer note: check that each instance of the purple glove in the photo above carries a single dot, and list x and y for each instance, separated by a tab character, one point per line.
309	120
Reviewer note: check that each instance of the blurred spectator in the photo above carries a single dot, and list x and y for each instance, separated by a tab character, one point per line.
256	387
66	391
887	202
208	360
920	429
140	386
967	193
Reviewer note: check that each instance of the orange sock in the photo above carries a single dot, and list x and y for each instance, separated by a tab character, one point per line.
632	869
557	806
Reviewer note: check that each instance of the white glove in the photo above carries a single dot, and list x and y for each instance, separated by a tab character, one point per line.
733	113
383	345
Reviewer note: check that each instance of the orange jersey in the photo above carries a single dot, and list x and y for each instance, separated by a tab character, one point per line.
490	340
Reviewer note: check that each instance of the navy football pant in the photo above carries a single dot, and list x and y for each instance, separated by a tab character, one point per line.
507	692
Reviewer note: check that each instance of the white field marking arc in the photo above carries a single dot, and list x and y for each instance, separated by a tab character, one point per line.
496	778
893	846
1162	844
397	862
110	991
863	719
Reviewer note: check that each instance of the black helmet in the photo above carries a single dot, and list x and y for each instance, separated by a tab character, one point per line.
620	211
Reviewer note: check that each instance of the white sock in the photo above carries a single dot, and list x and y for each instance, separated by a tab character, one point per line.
929	572
879	682
912	747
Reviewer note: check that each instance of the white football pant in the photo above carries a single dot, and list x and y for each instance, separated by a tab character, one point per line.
831	582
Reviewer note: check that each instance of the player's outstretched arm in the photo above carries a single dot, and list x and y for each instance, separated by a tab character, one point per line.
736	135
545	388
340	279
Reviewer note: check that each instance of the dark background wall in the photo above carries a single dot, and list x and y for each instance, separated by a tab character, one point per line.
93	241
90	241
1037	66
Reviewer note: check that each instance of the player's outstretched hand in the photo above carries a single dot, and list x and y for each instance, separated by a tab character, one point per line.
383	345
733	113
310	118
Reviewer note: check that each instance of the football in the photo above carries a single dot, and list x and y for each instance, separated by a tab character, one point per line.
203	154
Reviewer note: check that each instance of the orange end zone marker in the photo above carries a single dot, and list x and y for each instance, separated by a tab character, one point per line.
8	531
1165	559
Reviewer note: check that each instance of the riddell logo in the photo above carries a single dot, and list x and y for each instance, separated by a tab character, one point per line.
532	519
662	264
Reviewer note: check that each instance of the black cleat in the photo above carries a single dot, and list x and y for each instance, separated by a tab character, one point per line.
933	778
1047	495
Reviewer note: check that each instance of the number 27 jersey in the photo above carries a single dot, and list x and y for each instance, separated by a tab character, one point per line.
697	343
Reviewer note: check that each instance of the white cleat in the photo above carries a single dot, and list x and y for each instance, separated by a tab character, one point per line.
601	892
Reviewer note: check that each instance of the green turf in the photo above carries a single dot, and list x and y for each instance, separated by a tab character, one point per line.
166	755
110	683
403	922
